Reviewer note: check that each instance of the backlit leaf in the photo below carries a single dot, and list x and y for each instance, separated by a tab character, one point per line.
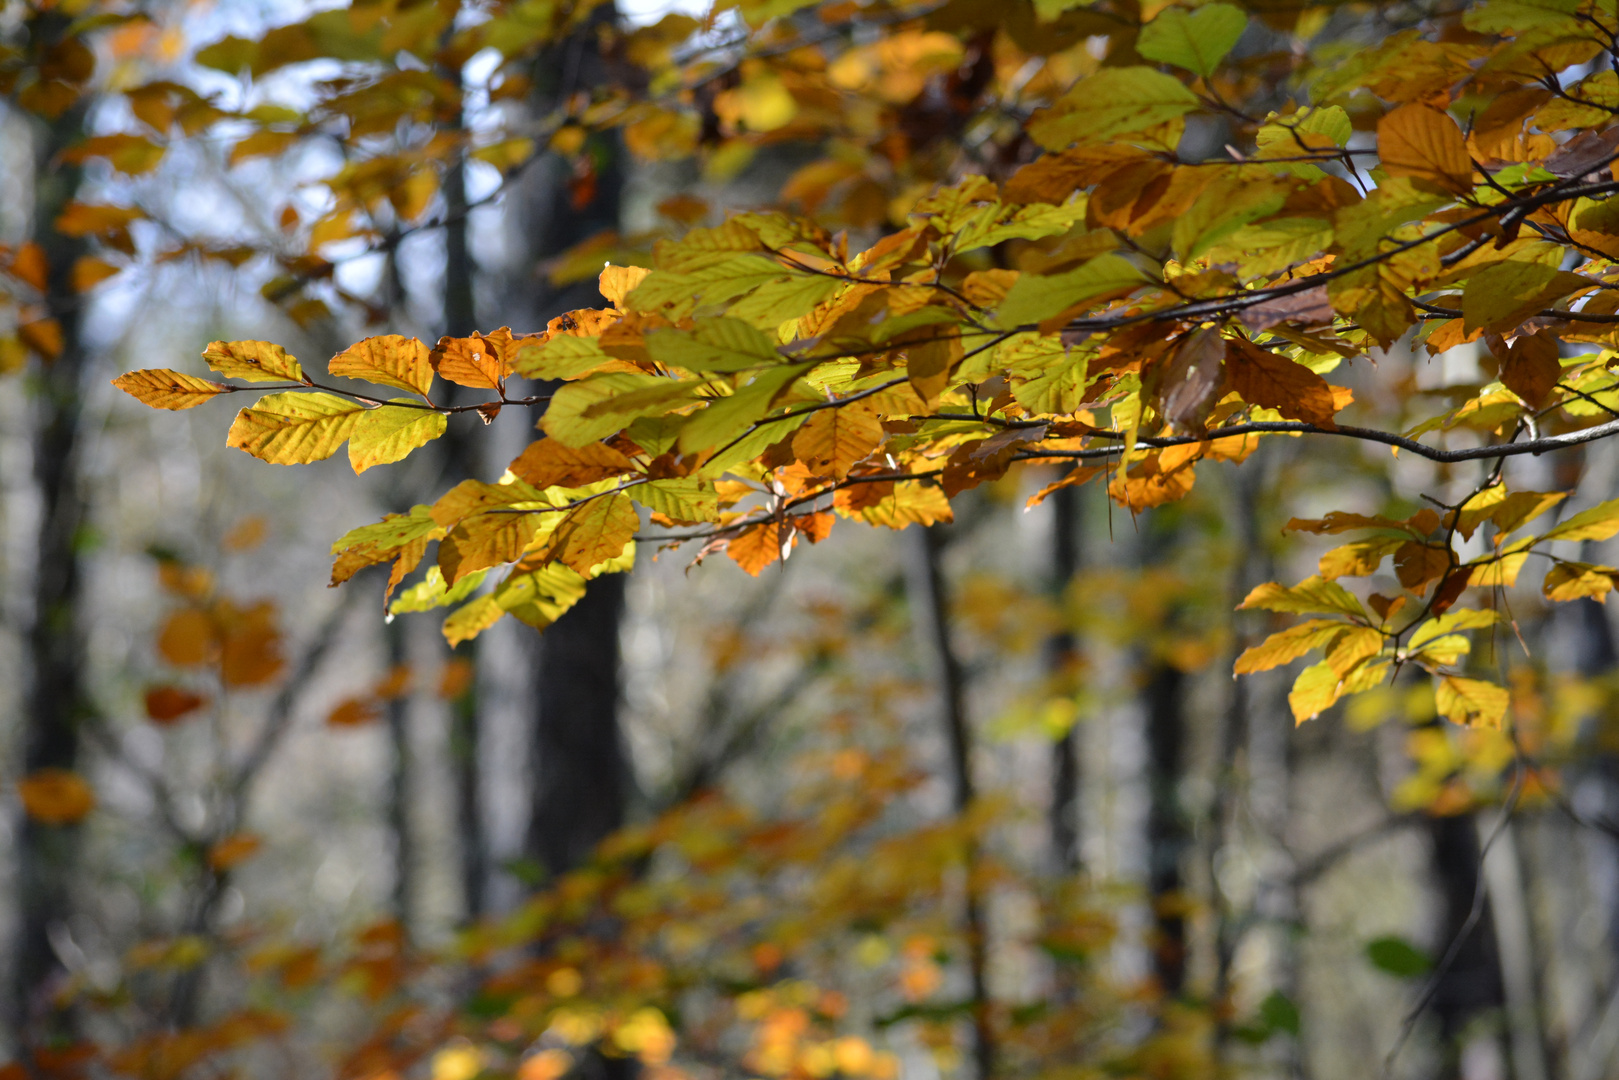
255	361
1195	40
390	432
1472	702
389	360
294	428
164	389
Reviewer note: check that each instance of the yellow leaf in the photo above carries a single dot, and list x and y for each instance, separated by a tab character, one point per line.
1473	702
255	361
1314	691
390	432
1572	581
164	389
616	282
1111	102
1308	597
388	360
1600	522
56	796
1285	646
294	428
595	533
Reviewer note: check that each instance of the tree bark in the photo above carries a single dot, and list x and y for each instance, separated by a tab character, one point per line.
930	608
1472	983
582	779
57	700
1062	660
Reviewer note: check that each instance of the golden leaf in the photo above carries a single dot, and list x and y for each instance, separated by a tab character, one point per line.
387	360
255	361
294	428
162	388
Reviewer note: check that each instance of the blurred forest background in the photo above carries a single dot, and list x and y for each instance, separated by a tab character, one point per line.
949	802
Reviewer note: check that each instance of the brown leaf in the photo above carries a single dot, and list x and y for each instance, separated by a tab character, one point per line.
1416	565
1425	144
1584	153
166	704
548	463
1275	382
455	679
1190	382
1308	308
1530	366
250	652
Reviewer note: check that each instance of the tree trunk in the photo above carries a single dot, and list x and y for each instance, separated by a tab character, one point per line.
56	698
930	608
582	779
1062	660
1472	983
1167	832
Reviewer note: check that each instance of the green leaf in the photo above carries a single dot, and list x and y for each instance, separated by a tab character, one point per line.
773	303
684	499
1516	16
1279	1013
294	428
1195	40
1036	297
1111	102
723	420
390	432
566	418
566	356
1504	294
432	592
713	345
1398	956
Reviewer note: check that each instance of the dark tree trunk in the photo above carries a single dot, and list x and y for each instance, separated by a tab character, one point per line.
931	611
1062	660
56	698
1168	834
1472	983
581	775
582	780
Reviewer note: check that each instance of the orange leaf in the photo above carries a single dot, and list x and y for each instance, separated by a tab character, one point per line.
187	638
29	266
1425	144
89	271
246	534
756	548
44	336
235	848
482	361
387	360
395	684
456	679
56	796
549	463
354	712
166	704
